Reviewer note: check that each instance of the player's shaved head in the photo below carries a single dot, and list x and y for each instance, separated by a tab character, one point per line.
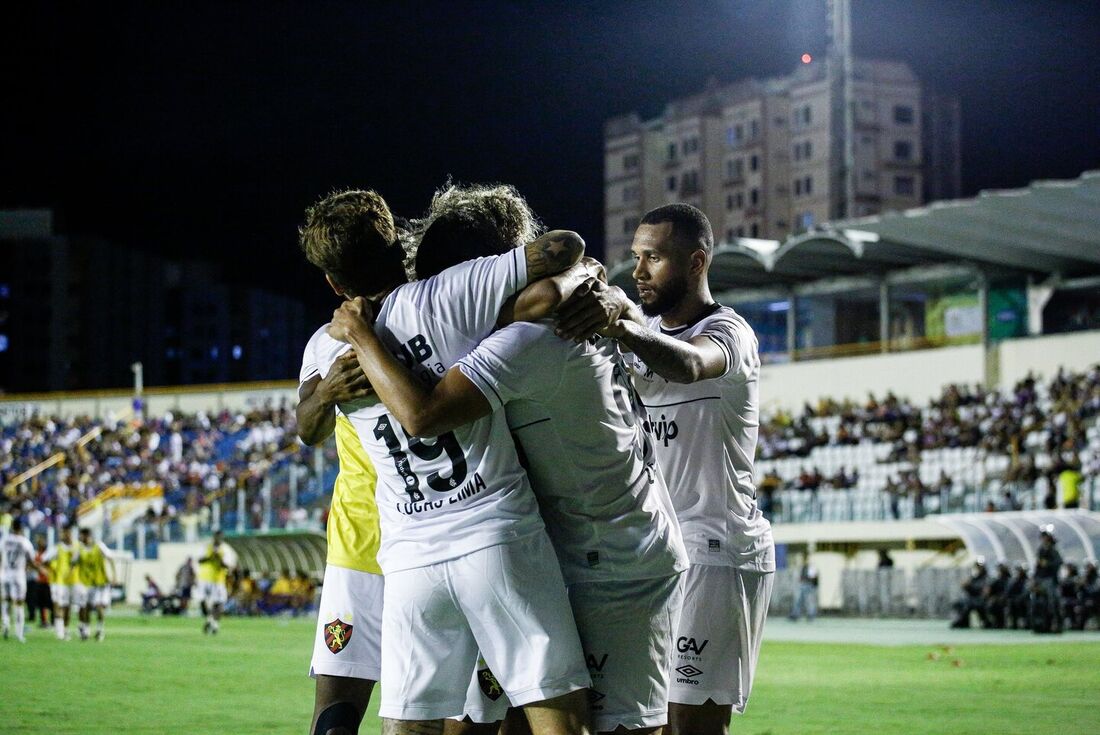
351	236
465	222
691	229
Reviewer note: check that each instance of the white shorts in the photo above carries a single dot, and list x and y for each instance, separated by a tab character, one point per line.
718	640
14	587
626	630
99	596
80	595
508	601
61	594
213	593
348	641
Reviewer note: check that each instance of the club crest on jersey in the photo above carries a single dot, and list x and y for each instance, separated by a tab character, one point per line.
337	635
490	687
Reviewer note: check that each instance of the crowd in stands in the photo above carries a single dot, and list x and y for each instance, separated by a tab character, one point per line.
1040	431
195	458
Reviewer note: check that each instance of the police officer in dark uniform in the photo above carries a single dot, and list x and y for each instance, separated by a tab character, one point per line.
1018	596
1046	604
996	597
1088	597
973	599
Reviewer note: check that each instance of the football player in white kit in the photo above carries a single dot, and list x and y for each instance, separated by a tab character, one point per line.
574	412
467	561
696	367
17	553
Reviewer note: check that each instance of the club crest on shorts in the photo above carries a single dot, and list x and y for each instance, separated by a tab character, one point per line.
337	635
490	687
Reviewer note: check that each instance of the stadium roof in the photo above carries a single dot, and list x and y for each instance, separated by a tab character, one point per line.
1048	229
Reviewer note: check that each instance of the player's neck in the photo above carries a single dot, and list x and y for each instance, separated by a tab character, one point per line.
696	303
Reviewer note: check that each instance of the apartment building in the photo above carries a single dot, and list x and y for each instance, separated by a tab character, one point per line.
765	158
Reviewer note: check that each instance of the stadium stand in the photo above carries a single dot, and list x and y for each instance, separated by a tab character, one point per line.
1035	446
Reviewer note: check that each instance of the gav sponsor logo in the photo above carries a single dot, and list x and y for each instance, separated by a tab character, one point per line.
663	429
684	644
687	674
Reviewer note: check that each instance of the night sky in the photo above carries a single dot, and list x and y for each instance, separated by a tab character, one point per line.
204	129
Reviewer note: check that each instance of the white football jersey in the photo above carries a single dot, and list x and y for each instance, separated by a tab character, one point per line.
16	551
442	497
576	416
705	438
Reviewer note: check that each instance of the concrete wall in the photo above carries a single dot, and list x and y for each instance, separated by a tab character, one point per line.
918	375
1044	355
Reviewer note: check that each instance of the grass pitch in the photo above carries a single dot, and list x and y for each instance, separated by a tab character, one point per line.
161	675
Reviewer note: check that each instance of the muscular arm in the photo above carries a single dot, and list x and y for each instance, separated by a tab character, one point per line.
316	416
317	398
421	411
677	361
552	253
543	297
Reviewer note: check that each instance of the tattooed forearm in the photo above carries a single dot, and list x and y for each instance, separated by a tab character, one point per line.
672	359
412	727
552	253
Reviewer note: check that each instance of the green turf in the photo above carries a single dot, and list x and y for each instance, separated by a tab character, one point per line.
158	675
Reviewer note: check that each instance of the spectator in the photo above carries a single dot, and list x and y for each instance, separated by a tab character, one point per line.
1018	597
151	598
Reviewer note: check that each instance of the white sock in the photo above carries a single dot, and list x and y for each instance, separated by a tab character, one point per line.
59	626
20	620
99	625
4	615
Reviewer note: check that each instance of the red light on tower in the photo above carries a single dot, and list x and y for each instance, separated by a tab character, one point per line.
806	58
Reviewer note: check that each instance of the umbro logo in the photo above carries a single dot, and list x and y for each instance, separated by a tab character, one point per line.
688	670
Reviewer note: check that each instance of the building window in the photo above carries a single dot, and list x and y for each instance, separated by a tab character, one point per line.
739	200
807	151
779	122
903	114
781	224
797	152
806	220
903	186
630	161
754	196
672	183
754	129
690	183
630	194
672	151
798	187
729	202
730	140
903	150
755	230
734	169
740	231
729	235
754	163
808	185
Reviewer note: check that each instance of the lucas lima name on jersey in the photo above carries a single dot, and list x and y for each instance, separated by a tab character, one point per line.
705	434
442	497
576	416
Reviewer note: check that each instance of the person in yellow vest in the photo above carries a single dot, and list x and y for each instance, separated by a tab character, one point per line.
92	590
347	650
213	572
61	562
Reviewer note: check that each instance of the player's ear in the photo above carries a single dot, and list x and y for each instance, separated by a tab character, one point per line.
336	287
698	261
